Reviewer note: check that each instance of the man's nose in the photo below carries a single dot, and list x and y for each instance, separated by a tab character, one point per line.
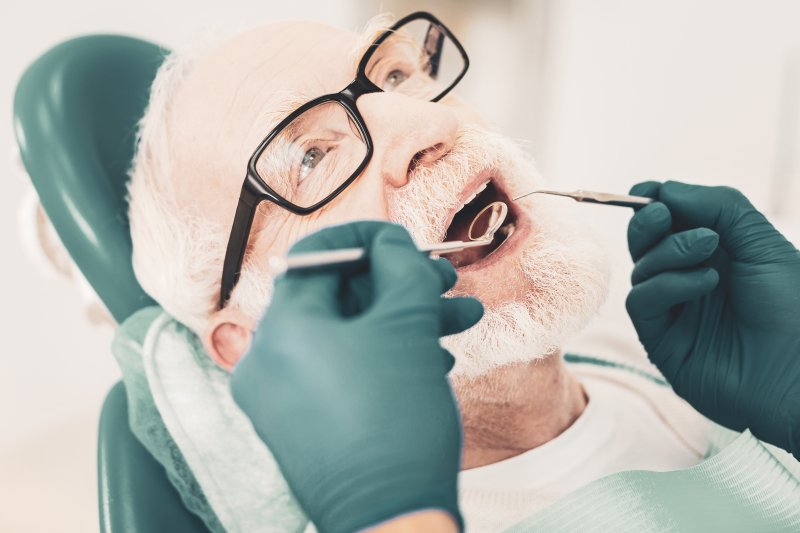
406	133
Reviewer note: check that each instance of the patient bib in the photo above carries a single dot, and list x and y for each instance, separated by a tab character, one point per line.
743	488
617	431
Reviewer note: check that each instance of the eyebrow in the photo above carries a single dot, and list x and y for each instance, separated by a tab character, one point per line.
286	105
372	30
362	45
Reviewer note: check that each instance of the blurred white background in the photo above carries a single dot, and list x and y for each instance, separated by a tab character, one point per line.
604	93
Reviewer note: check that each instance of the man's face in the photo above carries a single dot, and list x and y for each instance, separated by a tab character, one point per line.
538	283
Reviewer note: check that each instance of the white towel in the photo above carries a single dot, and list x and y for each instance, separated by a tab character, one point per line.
235	470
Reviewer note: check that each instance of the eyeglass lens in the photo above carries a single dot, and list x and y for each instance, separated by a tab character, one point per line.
313	155
320	149
417	60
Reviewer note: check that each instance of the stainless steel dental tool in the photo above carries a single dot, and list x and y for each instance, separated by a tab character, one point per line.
622	200
481	233
487	221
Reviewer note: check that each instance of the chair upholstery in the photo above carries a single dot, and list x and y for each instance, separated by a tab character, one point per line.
75	114
133	490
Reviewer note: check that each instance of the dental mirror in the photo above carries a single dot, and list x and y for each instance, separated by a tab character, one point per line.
481	233
488	221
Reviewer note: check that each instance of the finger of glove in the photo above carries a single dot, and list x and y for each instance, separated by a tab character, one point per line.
448	273
460	314
318	290
743	231
646	188
349	235
676	251
307	292
647	227
449	361
400	271
649	303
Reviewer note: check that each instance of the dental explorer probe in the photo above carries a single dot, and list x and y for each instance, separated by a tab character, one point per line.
591	197
344	256
485	225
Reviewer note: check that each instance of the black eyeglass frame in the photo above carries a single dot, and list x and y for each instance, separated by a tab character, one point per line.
255	190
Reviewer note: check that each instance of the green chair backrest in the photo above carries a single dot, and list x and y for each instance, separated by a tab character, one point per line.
133	492
75	115
75	111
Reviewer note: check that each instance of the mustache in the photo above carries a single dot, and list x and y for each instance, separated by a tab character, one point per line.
433	190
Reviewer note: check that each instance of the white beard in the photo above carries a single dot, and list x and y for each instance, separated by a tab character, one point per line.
566	270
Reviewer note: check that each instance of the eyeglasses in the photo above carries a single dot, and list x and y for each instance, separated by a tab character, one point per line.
316	152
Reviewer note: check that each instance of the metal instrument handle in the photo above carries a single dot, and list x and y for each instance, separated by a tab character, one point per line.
344	256
593	197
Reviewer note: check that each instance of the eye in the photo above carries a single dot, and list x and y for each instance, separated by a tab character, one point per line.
393	79
310	160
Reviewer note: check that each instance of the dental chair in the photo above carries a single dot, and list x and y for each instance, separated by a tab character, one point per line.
75	114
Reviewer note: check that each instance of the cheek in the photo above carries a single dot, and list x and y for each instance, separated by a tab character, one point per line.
276	237
363	200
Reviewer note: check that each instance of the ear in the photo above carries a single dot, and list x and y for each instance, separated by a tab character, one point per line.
228	337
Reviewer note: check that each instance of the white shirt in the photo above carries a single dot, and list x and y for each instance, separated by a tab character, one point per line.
619	430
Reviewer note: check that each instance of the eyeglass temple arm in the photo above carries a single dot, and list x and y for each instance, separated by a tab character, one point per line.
434	42
237	244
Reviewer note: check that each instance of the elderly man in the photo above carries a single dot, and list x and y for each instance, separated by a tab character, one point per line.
396	145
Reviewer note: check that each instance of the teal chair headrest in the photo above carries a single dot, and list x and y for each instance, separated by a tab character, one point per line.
75	114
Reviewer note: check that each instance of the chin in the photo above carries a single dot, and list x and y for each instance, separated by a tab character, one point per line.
540	286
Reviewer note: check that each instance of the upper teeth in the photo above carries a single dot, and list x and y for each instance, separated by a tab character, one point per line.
476	193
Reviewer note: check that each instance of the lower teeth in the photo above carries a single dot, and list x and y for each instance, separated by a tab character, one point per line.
504	233
507	230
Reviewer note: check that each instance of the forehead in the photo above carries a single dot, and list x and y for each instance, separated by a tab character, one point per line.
292	56
233	95
259	68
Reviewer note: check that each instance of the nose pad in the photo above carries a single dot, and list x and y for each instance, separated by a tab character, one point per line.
428	156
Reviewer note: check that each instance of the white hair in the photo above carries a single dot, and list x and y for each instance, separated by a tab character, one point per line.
177	252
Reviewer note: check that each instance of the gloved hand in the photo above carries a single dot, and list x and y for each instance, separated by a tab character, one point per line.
346	382
716	304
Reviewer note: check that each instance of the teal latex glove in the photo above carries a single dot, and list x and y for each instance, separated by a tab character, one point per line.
716	304
346	381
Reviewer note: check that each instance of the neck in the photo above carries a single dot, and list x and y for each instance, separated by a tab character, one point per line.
516	408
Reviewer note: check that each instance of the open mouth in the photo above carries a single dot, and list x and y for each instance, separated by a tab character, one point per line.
459	227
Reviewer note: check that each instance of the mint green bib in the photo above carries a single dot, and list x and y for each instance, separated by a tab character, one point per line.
741	486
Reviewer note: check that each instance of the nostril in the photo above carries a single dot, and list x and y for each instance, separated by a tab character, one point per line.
412	165
427	156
